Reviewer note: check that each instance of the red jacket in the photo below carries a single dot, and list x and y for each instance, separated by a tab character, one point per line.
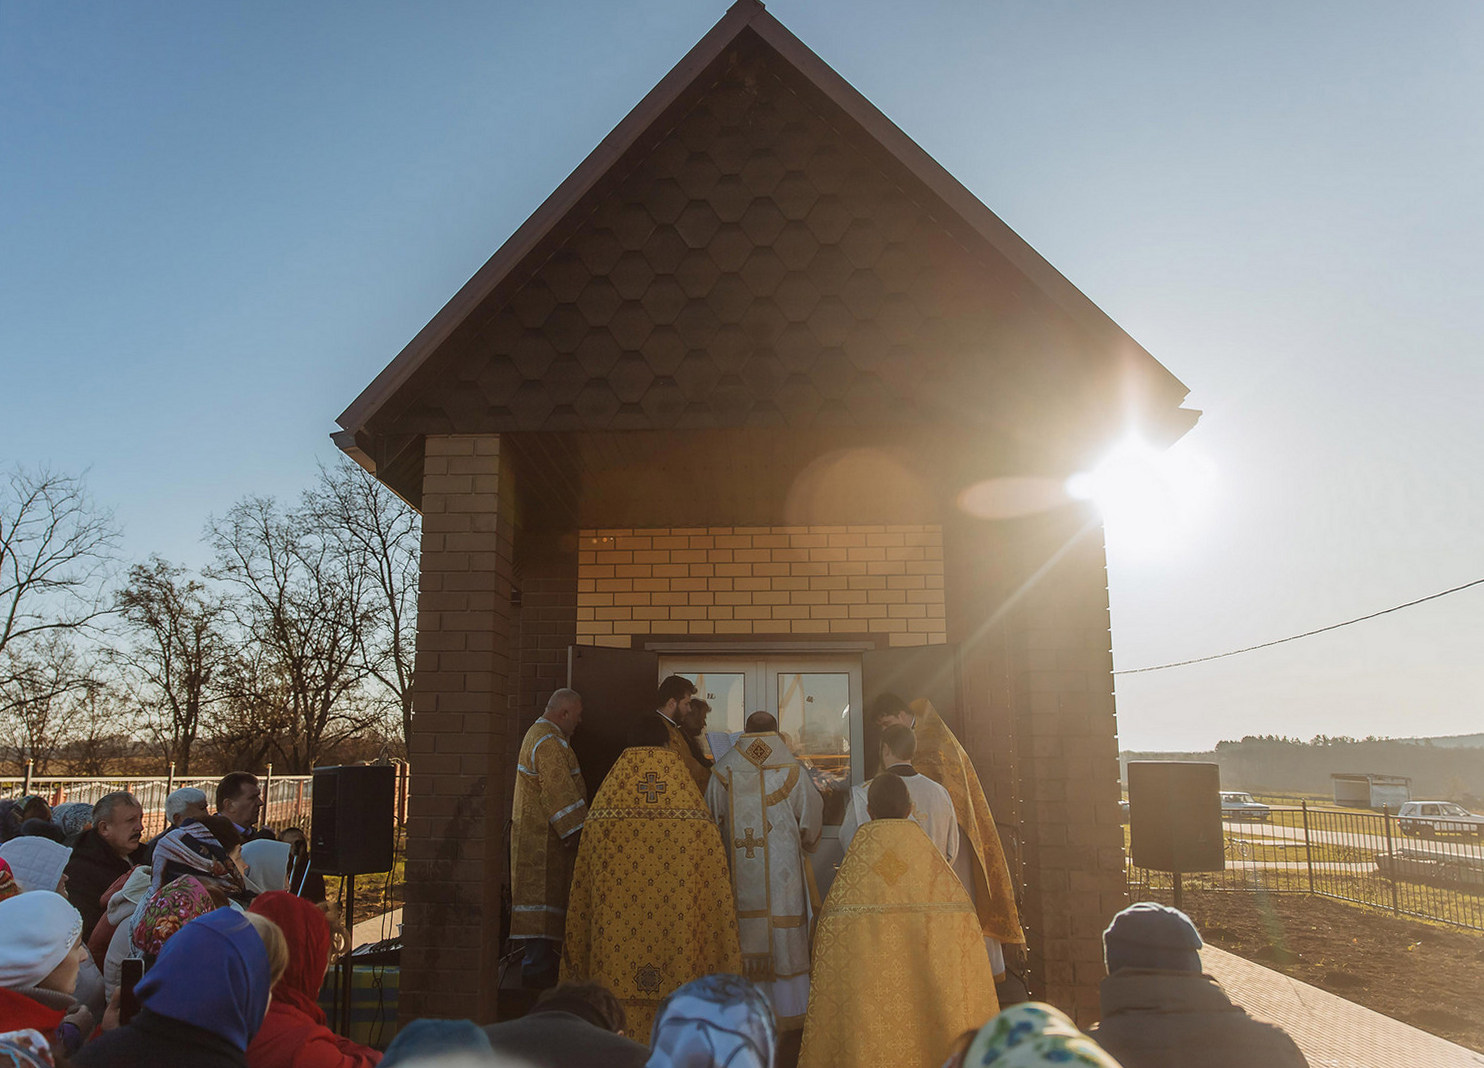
18	1012
294	1034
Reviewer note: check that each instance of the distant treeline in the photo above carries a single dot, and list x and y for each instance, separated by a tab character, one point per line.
1272	764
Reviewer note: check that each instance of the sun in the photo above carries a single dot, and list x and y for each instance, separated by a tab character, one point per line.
1152	501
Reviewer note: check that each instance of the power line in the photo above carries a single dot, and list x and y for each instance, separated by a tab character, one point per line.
1305	634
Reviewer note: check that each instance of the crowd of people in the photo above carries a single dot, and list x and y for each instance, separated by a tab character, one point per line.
675	921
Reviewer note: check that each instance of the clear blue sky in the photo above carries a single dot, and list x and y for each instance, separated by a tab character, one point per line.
219	221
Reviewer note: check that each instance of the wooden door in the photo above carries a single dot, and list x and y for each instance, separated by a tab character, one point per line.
617	686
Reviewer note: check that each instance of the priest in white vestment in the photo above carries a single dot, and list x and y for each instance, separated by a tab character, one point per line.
932	808
770	817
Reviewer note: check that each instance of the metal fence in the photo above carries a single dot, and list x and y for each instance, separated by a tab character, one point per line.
1409	868
287	798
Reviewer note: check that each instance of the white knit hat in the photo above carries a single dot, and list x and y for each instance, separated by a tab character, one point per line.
37	862
37	931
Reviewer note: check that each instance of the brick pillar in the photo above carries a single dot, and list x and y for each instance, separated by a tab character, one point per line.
1061	665
463	742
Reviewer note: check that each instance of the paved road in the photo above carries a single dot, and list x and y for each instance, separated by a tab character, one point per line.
1439	847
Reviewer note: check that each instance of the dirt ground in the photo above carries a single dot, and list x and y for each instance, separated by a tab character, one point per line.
1429	976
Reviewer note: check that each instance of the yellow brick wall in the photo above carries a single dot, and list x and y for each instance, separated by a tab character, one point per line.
885	580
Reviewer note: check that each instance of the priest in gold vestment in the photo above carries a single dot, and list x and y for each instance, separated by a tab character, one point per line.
651	902
550	809
770	817
899	964
981	860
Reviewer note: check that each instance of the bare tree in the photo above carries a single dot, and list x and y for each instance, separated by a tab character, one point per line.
380	533
100	731
304	601
252	710
176	621
43	679
55	551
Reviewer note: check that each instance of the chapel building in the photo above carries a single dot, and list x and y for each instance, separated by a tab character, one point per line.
763	396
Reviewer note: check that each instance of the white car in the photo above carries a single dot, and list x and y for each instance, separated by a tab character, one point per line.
1236	805
1429	818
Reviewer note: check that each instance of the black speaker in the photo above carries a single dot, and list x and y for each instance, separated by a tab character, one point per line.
353	819
1174	810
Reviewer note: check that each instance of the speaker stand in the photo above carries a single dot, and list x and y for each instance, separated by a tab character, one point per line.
1178	898
345	961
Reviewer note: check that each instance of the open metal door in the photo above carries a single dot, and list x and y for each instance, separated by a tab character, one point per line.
929	671
616	685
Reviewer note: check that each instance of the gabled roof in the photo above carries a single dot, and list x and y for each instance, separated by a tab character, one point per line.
471	339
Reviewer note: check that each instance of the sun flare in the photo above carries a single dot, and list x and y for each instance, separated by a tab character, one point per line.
1152	501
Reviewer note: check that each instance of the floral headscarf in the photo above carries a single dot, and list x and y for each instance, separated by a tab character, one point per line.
8	886
25	1049
1030	1035
191	849
167	910
717	1020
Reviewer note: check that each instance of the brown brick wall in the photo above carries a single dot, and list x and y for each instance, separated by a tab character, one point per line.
1067	738
463	741
761	580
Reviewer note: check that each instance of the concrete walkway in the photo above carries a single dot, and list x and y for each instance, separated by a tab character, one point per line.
1332	1032
376	929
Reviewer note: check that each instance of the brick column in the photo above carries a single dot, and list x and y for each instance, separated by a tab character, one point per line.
1061	671
463	742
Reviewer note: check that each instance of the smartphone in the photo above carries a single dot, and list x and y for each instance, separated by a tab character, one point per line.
131	970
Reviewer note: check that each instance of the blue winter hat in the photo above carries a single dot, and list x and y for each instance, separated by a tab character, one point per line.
430	1039
1151	935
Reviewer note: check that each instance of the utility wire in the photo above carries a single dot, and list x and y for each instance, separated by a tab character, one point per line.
1305	634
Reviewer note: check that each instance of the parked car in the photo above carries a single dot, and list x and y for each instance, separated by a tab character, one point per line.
1429	818
1236	805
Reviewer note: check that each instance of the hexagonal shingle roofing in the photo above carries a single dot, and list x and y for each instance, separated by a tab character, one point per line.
756	245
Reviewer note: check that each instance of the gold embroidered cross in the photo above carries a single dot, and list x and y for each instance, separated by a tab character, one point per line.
749	843
651	787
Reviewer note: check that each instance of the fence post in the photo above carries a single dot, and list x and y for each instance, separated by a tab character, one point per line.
26	784
267	794
1390	857
1308	853
170	780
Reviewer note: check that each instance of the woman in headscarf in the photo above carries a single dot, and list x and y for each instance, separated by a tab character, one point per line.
8	885
1031	1035
40	952
295	1035
202	1002
267	864
164	912
719	1019
37	863
208	848
303	880
72	818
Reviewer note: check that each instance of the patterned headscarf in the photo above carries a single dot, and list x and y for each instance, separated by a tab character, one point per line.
8	886
72	818
191	849
167	910
25	1049
1030	1035
719	1020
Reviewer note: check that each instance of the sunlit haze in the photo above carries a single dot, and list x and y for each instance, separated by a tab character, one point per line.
219	221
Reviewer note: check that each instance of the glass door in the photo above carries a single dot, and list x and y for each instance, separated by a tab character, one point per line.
817	702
